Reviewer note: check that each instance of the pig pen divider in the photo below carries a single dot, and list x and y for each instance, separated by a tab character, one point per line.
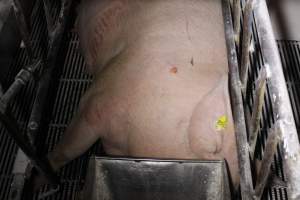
275	99
42	65
260	102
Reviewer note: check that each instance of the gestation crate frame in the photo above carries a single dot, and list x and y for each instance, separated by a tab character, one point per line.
253	82
248	31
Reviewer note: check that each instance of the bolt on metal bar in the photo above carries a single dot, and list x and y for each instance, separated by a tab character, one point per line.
247	32
23	27
20	80
41	163
236	17
246	184
265	168
289	141
257	109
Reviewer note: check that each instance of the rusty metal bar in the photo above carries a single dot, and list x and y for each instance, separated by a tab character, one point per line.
289	141
247	32
257	109
23	27
264	171
246	184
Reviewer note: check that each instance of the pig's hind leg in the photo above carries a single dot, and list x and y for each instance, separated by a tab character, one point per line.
85	129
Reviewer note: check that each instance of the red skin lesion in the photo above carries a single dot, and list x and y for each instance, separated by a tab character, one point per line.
174	70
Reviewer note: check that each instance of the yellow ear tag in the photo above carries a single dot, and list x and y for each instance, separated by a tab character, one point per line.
221	123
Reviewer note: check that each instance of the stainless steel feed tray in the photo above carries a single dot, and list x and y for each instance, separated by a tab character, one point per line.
122	179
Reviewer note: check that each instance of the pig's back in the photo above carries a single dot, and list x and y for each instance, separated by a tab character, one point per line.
164	90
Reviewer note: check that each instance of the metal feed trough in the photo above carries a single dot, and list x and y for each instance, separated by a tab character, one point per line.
118	178
264	122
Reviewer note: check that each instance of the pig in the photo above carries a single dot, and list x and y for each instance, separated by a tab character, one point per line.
160	87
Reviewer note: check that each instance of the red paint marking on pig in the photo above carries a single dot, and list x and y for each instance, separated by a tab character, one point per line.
174	70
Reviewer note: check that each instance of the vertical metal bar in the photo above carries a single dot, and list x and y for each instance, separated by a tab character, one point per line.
20	166
264	171
280	99
1	90
24	30
237	107
43	87
40	101
247	25
48	16
257	109
237	20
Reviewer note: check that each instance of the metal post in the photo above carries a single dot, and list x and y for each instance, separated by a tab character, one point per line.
264	171
48	16
1	90
257	109
237	20
24	30
43	87
247	24
280	99
15	133
35	120
237	108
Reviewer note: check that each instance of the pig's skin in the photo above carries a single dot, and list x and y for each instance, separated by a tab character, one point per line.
161	82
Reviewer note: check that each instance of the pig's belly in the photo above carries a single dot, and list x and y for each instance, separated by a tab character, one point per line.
165	93
162	113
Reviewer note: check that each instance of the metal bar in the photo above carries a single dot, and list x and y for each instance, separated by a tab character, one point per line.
237	20
280	100
20	80
41	163
257	109
42	91
20	166
1	90
40	102
23	27
237	108
264	171
49	19
247	24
